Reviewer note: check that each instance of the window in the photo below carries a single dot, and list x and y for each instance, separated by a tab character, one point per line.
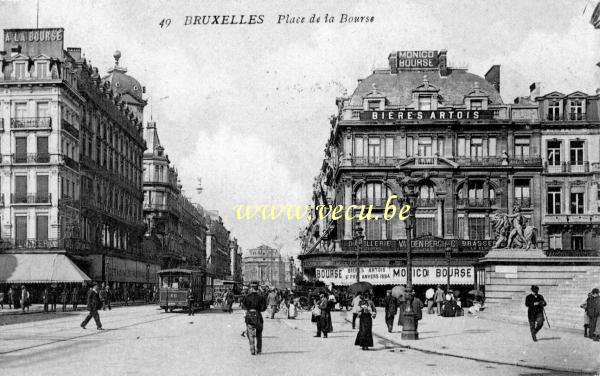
41	227
42	150
424	102
156	169
42	70
374	230
462	151
576	242
577	203
424	226
555	241
476	148
522	193
521	147
21	229
389	147
554	200
20	149
373	106
492	146
554	110
476	228
554	153
20	110
20	70
424	147
359	147
577	153
20	188
461	227
374	149
426	192
372	193
476	104
576	109
42	188
475	190
440	146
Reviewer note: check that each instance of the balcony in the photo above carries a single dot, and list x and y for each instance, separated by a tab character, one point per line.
31	123
522	202
374	161
476	202
556	219
426	202
33	198
66	126
525	160
565	167
22	158
479	161
70	162
158	207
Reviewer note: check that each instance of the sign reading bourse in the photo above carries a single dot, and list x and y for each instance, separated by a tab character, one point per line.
417	59
35	42
424	275
412	115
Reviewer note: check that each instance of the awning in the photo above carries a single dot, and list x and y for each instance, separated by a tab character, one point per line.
39	268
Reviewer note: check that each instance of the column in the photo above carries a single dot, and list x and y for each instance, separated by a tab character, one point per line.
440	216
511	193
449	206
347	202
487	234
466	225
567	198
593	197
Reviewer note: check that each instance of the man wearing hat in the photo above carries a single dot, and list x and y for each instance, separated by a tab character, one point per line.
535	312
93	305
593	312
390	310
254	304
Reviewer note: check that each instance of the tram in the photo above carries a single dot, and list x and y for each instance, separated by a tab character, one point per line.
174	285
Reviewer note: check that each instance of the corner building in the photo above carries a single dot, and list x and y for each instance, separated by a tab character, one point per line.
448	128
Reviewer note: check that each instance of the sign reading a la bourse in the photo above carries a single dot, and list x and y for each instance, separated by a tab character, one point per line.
412	115
34	42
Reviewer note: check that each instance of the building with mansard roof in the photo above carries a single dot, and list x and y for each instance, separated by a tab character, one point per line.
473	157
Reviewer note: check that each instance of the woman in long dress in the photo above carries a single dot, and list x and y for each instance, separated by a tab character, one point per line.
367	312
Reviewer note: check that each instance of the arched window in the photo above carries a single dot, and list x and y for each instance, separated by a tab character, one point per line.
375	194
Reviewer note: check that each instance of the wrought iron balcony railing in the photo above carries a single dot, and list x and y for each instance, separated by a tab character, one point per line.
32	198
522	202
18	158
374	161
31	122
69	128
476	202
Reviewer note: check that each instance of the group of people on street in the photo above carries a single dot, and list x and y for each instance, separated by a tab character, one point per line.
443	303
321	313
591	323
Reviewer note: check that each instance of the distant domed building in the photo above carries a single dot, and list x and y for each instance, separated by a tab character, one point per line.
129	89
265	265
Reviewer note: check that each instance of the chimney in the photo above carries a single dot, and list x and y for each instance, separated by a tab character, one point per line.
443	63
534	90
393	60
493	76
75	53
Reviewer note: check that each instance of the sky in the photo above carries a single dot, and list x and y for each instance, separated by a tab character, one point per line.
246	108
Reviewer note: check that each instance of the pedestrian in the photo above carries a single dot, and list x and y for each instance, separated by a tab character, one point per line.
355	308
401	306
125	296
93	305
74	298
315	312
417	307
254	305
593	309
1	300
323	324
25	296
229	301
103	296
390	310
364	337
535	312
272	302
54	298
64	298
11	298
330	307
293	307
586	318
190	302
108	298
439	299
46	299
429	294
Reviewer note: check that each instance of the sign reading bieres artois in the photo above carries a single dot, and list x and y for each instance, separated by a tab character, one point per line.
423	275
412	115
34	42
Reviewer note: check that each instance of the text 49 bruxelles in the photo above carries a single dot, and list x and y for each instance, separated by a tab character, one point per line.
337	212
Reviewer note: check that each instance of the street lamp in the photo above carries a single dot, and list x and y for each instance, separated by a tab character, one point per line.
448	258
358	240
410	193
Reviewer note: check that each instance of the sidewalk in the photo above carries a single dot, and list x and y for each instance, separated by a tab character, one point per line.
39	308
484	340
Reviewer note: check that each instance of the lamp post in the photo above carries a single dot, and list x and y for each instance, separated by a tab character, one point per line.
448	258
409	326
358	240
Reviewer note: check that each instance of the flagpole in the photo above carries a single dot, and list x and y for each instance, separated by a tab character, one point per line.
37	18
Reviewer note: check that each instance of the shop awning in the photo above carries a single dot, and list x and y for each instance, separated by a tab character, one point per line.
39	268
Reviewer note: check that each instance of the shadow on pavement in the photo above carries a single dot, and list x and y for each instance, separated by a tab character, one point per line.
548	339
282	352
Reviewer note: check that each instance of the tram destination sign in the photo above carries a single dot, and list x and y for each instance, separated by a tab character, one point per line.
415	115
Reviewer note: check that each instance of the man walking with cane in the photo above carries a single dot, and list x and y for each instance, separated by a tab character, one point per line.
535	311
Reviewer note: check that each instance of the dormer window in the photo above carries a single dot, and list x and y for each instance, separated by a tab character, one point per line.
42	70
554	110
20	70
374	105
576	109
476	104
424	102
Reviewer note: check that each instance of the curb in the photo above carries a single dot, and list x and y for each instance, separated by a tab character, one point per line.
486	360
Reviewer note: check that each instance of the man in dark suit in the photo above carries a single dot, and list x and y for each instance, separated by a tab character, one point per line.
93	305
390	310
254	303
535	311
